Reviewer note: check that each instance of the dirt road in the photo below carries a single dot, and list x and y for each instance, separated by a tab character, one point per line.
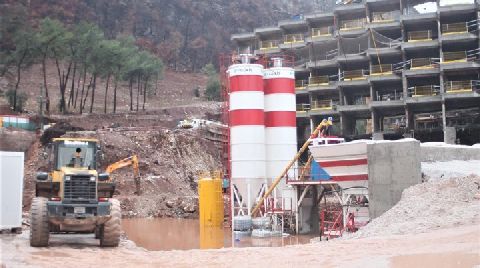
454	247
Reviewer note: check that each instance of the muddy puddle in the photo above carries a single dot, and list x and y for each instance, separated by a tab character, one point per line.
183	234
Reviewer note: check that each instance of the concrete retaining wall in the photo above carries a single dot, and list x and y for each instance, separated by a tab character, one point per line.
430	153
392	167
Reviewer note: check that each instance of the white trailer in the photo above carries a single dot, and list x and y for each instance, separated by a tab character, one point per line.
11	190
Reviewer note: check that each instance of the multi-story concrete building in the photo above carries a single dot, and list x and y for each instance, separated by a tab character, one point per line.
396	67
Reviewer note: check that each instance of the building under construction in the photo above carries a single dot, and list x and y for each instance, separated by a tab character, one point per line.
395	68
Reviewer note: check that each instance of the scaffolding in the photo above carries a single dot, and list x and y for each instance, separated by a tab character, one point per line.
461	86
269	44
347	25
454	28
415	36
321	80
354	75
301	85
426	90
381	69
385	17
303	107
422	63
456	56
390	95
293	38
322	31
323	104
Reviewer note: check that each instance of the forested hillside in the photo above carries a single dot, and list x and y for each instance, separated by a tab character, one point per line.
186	34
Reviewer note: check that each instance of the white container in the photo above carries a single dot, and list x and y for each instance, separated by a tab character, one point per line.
11	189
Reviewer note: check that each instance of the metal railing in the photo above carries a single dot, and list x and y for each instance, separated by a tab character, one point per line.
303	107
419	36
396	94
293	38
422	63
384	17
301	84
322	31
323	104
453	28
461	86
326	56
353	24
473	54
418	91
269	44
457	56
353	75
381	69
318	80
361	100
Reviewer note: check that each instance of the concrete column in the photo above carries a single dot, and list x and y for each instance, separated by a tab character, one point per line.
405	87
450	135
409	118
314	222
341	96
444	124
376	125
343	124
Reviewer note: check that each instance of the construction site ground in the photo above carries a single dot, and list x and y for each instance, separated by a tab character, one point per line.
435	224
452	247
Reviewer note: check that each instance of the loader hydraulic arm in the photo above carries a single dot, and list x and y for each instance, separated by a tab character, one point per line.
133	161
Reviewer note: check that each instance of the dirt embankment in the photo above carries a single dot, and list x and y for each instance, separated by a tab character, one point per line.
170	162
170	158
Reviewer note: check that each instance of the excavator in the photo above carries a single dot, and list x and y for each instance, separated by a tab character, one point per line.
133	161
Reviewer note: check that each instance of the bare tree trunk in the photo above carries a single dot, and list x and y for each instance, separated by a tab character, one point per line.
72	89
131	93
16	87
44	70
63	81
83	100
83	87
19	73
106	93
115	96
139	86
93	92
145	93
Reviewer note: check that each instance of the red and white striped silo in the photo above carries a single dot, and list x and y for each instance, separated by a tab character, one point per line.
280	120
247	135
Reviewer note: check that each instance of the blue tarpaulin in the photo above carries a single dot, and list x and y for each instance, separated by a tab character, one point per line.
318	173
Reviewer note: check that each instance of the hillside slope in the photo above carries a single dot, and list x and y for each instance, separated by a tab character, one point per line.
187	34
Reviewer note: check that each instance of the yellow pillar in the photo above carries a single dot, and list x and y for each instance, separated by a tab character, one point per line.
210	201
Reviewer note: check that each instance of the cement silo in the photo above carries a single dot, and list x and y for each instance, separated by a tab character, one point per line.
280	120
247	134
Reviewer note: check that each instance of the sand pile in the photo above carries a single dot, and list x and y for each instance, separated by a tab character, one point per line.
438	203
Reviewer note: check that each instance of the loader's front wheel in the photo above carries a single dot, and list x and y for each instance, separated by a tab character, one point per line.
40	230
110	230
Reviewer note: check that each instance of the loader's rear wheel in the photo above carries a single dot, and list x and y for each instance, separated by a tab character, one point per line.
110	231
39	231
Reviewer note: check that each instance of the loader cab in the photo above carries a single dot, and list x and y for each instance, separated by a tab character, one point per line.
75	153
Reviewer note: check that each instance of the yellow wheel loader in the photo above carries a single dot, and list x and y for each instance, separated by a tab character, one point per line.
74	196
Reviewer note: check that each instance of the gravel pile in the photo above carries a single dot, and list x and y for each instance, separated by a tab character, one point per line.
439	203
